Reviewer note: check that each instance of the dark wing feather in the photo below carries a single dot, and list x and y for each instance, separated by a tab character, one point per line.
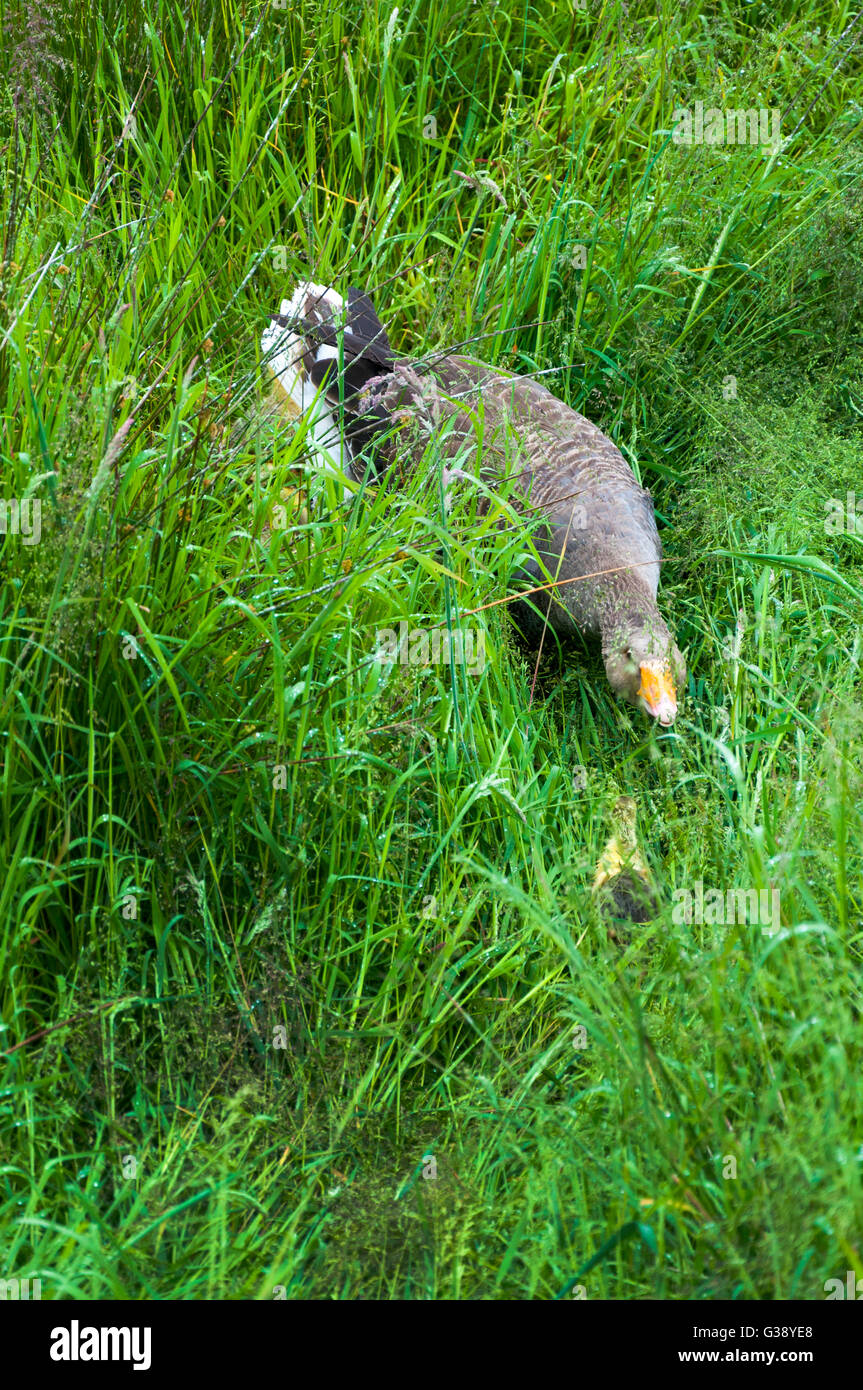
365	325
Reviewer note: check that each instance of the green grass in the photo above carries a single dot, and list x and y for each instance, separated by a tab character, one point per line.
277	923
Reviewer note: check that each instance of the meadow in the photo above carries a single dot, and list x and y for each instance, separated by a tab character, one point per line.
303	990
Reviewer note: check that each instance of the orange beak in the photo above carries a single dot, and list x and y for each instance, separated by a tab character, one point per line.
656	693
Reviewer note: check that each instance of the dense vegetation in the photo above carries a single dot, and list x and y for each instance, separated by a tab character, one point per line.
284	927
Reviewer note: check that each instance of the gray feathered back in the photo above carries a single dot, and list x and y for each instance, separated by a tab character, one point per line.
598	538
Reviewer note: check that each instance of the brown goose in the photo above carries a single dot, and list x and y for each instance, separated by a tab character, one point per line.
366	408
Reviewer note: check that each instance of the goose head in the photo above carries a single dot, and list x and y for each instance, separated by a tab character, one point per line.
644	665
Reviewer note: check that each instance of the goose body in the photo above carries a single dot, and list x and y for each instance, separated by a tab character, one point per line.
597	539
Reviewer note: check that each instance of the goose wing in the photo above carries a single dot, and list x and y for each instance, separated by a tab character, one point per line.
599	517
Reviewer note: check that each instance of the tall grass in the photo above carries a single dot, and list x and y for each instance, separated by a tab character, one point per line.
286	930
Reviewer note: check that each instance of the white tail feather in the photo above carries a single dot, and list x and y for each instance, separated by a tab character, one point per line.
283	352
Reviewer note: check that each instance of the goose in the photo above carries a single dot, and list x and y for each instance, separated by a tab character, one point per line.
622	884
366	409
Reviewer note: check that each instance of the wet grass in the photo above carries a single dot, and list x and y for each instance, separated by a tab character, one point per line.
302	985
